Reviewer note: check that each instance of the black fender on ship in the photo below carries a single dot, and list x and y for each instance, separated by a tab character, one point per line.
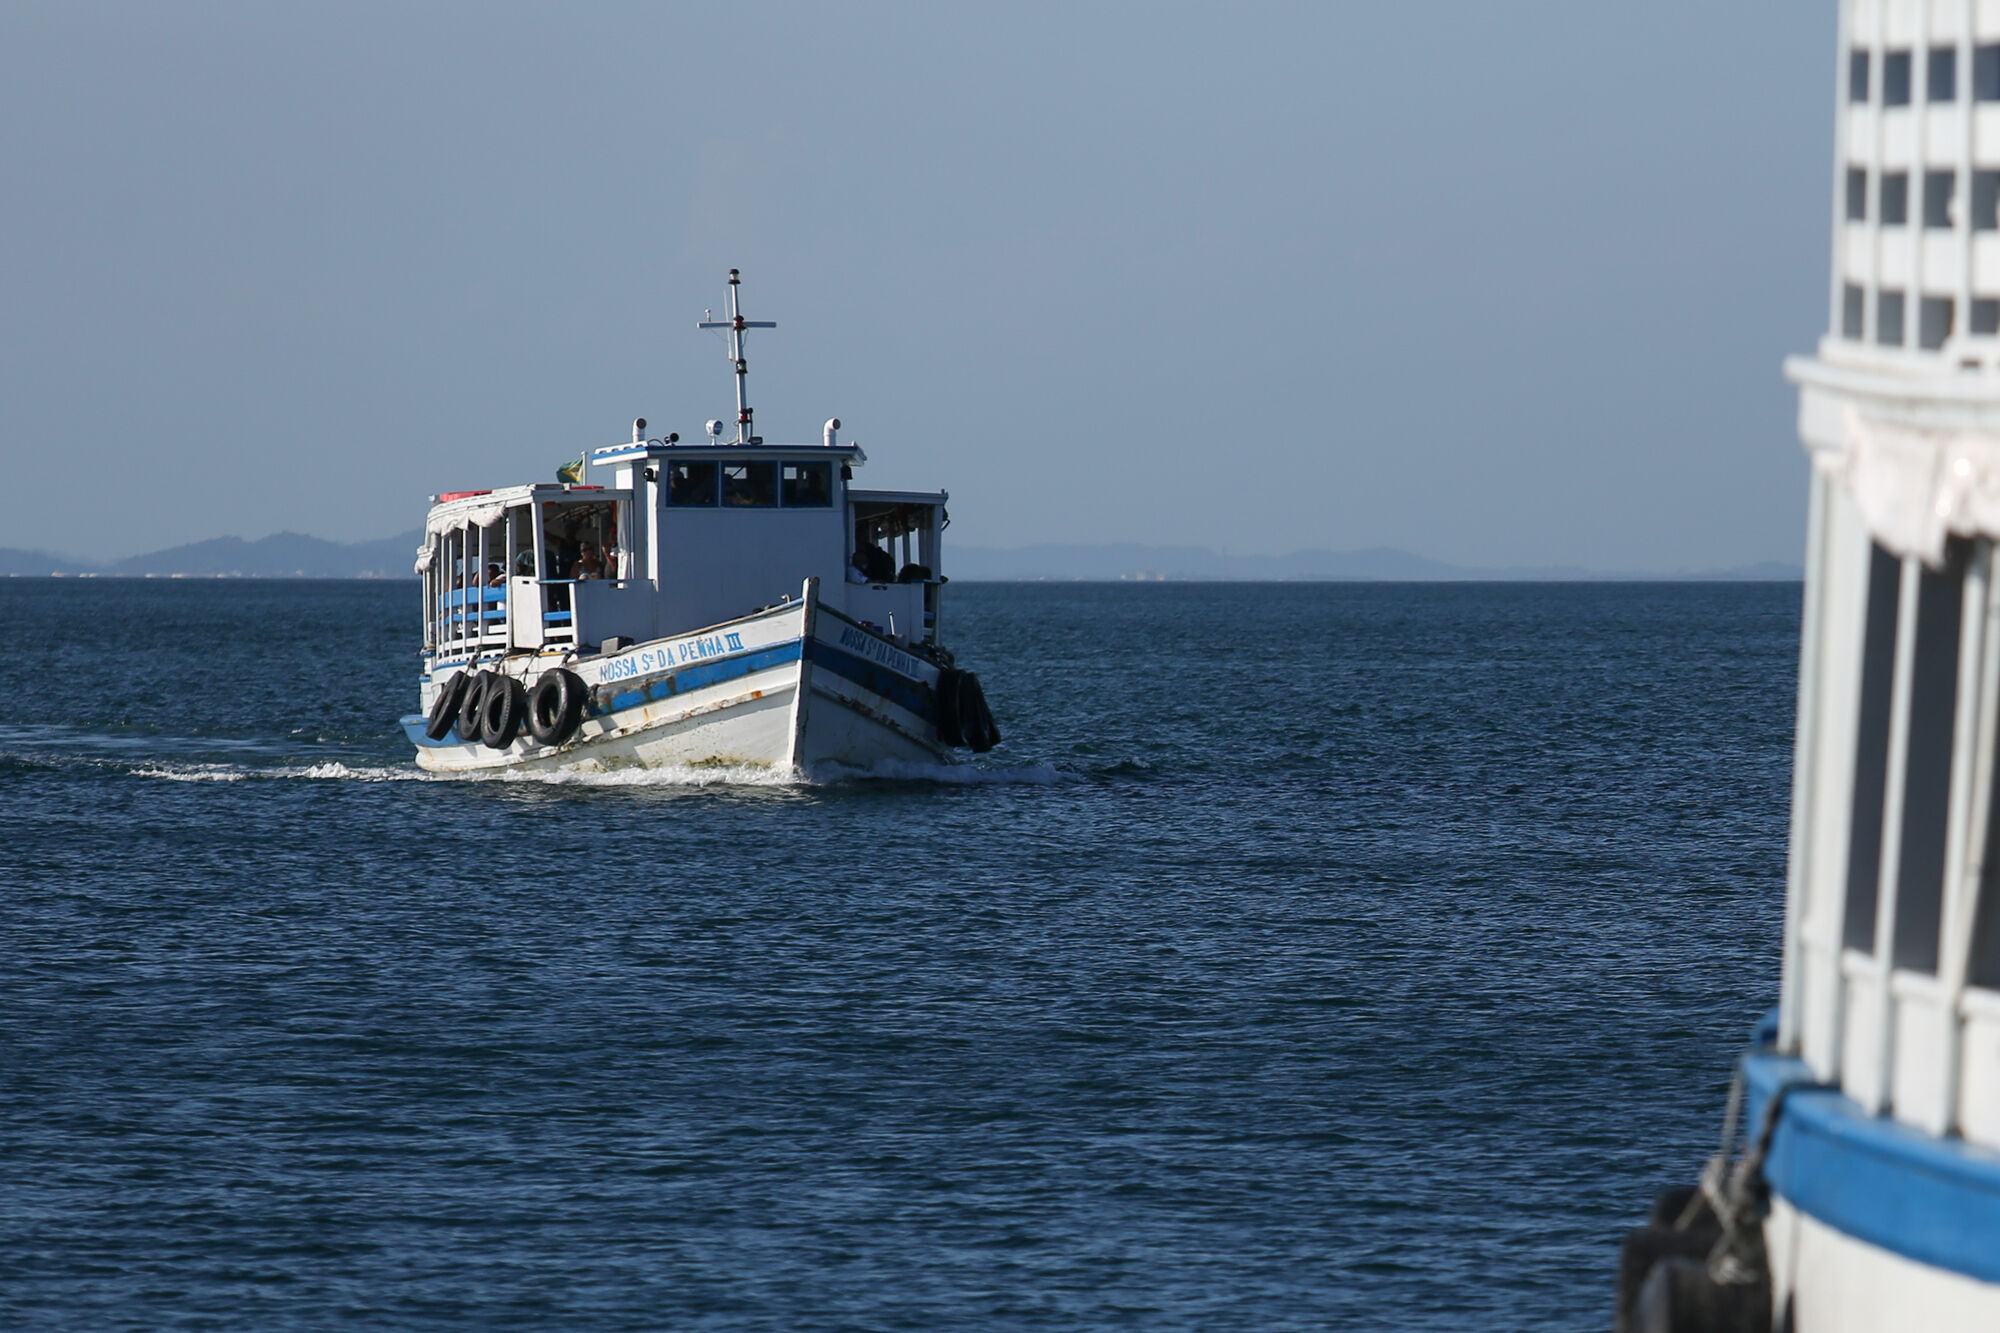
555	706
502	708
444	709
472	704
963	719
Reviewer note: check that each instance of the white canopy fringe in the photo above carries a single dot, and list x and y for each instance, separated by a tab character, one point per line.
1917	487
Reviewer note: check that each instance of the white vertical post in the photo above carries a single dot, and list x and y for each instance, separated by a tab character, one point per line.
1836	301
1800	877
1971	807
1875	1097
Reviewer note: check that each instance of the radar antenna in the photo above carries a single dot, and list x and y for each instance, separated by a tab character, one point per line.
736	324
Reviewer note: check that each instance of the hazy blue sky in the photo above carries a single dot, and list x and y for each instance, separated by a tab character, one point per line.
1496	283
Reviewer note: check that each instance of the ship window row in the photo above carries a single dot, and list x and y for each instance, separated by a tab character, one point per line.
1936	317
750	485
1940	75
1929	684
1940	195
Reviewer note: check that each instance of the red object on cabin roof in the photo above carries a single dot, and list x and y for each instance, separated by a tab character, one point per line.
449	496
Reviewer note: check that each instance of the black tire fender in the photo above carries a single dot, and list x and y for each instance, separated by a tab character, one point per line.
946	691
555	706
444	708
501	709
975	719
471	705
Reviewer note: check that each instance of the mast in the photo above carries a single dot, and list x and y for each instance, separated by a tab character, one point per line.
736	324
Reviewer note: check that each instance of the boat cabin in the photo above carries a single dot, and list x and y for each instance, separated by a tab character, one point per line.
685	536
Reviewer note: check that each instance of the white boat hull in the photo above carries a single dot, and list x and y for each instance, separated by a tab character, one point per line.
726	696
1837	1283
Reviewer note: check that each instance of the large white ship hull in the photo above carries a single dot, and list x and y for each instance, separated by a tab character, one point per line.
797	686
1833	1282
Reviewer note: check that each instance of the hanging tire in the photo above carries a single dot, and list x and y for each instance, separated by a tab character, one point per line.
975	719
555	706
946	692
1679	1296
444	708
501	709
472	704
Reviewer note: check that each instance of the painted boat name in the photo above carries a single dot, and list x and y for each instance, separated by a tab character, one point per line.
872	648
673	654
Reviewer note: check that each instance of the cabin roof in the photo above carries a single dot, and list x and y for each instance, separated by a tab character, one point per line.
468	502
621	453
898	497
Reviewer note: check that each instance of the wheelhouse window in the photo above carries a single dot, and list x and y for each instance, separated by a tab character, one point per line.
1889	318
691	484
808	485
1938	189
1986	201
580	540
1933	321
1895	78
1895	211
520	542
1857	76
1941	74
1933	699
1871	750
750	485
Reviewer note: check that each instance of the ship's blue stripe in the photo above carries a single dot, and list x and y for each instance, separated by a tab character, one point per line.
712	672
1934	1201
875	678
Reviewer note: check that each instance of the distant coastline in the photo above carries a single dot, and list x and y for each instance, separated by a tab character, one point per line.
294	555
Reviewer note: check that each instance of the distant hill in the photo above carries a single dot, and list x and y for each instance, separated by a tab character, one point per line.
37	563
281	555
293	555
1128	561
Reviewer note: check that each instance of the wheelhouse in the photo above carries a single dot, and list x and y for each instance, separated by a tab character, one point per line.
687	536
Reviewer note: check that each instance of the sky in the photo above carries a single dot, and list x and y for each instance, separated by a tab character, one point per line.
1495	284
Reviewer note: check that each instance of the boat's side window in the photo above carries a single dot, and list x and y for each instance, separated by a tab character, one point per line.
1933	694
1871	750
750	484
1895	78
521	541
691	484
808	485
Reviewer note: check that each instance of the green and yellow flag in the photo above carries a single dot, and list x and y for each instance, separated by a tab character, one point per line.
571	474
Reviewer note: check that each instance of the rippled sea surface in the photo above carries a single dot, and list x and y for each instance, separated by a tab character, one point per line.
1332	956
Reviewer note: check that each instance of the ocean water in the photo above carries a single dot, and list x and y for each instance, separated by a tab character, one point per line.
1313	956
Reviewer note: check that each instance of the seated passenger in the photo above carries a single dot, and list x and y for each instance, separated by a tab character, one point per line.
589	564
496	574
875	564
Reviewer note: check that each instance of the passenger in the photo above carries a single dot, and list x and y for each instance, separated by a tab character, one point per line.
496	574
524	564
875	564
589	564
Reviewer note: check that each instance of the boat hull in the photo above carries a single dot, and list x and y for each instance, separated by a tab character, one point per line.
1834	1282
796	686
1874	1224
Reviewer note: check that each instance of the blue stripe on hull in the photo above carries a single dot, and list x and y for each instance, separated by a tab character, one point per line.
713	672
1934	1201
900	690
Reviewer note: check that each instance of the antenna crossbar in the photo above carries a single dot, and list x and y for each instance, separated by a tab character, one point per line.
736	325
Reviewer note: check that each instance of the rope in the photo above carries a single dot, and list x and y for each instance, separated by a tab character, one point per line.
1738	1195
